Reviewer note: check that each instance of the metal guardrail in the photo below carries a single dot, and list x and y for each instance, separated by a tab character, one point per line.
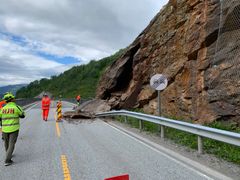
26	101
199	130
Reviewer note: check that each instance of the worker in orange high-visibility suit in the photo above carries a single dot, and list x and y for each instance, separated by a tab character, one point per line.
46	102
78	98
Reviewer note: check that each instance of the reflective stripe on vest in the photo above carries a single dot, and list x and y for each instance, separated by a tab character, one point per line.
3	119
10	124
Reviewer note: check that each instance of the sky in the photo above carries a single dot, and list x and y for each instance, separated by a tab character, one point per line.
42	38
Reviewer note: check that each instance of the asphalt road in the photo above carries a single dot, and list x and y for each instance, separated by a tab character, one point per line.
86	150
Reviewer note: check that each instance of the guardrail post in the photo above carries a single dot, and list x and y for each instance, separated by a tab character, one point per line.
140	125
162	131
200	145
125	119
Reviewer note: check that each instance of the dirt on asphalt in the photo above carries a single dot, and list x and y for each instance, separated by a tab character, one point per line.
86	111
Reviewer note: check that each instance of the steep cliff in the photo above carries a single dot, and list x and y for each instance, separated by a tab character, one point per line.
195	43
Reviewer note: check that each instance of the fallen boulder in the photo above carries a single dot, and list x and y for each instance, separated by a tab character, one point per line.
87	110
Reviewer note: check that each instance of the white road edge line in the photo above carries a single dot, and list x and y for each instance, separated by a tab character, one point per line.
172	155
27	110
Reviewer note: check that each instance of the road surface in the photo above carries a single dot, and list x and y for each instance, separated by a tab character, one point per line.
89	150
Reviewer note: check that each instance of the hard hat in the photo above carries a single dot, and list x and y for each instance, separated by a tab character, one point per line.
8	96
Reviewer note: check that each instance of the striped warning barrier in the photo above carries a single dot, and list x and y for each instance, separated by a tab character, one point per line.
59	111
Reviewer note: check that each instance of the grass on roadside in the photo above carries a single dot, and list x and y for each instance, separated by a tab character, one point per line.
222	150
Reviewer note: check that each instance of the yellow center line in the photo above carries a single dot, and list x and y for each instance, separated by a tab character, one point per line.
58	129
57	126
55	117
0	130
66	172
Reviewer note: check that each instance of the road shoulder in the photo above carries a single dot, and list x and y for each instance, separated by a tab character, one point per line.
206	160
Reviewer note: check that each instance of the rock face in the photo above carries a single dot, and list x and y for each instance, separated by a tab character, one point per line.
196	44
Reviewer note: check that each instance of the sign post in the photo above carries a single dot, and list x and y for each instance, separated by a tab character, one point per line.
159	82
159	103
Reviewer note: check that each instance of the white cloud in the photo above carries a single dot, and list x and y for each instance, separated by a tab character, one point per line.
18	66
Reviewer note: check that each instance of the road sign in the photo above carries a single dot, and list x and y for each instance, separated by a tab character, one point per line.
159	82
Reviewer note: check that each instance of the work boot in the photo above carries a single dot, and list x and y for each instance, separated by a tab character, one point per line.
8	163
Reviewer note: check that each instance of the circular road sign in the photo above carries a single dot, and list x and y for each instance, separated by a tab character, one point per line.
159	82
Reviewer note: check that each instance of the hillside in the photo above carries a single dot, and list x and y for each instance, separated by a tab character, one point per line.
195	44
11	88
81	80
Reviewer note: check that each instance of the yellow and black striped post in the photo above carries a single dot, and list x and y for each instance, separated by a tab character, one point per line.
59	111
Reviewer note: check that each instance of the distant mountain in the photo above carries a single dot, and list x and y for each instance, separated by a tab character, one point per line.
11	88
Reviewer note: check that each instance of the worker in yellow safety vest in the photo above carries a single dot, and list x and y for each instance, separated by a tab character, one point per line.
10	115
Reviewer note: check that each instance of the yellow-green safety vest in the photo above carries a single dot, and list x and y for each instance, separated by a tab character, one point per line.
10	114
